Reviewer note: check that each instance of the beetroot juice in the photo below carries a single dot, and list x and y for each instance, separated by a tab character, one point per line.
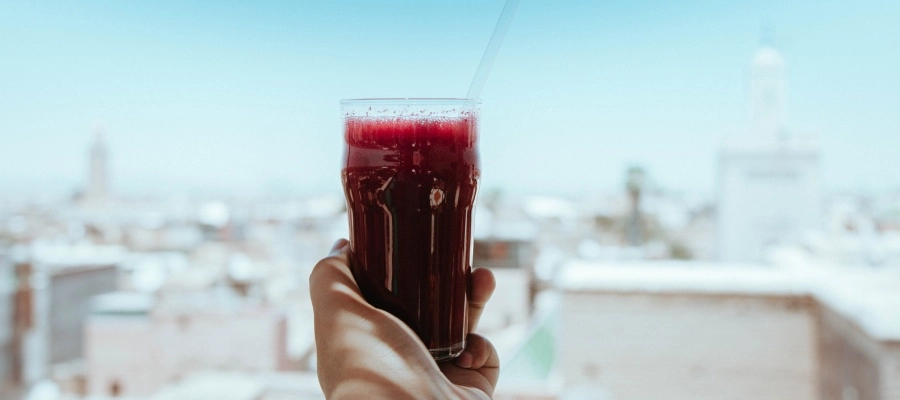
410	176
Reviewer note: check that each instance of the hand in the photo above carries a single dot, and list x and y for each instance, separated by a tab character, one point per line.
364	352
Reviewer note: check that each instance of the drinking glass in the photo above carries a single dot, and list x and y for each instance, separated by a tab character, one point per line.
410	176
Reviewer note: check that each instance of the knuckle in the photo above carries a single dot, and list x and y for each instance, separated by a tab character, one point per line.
320	269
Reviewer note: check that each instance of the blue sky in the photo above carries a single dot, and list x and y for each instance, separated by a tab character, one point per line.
243	97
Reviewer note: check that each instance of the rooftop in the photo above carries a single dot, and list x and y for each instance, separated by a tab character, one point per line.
868	297
221	385
680	277
218	386
122	303
65	255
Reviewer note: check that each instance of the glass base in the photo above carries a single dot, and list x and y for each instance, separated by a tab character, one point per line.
448	353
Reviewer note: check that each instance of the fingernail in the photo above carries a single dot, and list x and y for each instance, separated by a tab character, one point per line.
337	246
464	360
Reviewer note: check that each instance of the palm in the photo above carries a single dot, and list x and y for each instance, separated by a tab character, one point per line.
366	351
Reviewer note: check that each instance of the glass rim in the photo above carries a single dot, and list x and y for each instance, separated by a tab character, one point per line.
412	100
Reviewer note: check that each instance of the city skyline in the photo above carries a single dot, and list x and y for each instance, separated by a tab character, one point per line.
669	205
234	99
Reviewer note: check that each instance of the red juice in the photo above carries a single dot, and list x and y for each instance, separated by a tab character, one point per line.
410	184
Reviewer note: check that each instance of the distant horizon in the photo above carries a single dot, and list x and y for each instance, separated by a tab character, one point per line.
162	188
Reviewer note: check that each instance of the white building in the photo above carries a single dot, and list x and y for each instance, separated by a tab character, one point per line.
134	347
768	184
512	262
670	330
65	279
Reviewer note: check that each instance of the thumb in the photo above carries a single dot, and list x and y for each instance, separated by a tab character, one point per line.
341	246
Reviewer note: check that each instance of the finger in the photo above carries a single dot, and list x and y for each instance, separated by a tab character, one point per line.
479	353
331	270
482	287
477	367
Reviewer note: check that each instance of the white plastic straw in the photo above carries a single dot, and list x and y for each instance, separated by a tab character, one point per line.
490	53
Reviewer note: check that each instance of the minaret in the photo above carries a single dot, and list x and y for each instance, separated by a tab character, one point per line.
97	188
767	91
768	180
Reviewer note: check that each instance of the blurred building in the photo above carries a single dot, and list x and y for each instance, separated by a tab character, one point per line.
858	331
7	296
29	346
64	279
650	331
768	184
135	344
512	262
52	290
98	175
71	289
691	331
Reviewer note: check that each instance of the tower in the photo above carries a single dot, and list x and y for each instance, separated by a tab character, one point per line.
768	184
97	178
767	92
